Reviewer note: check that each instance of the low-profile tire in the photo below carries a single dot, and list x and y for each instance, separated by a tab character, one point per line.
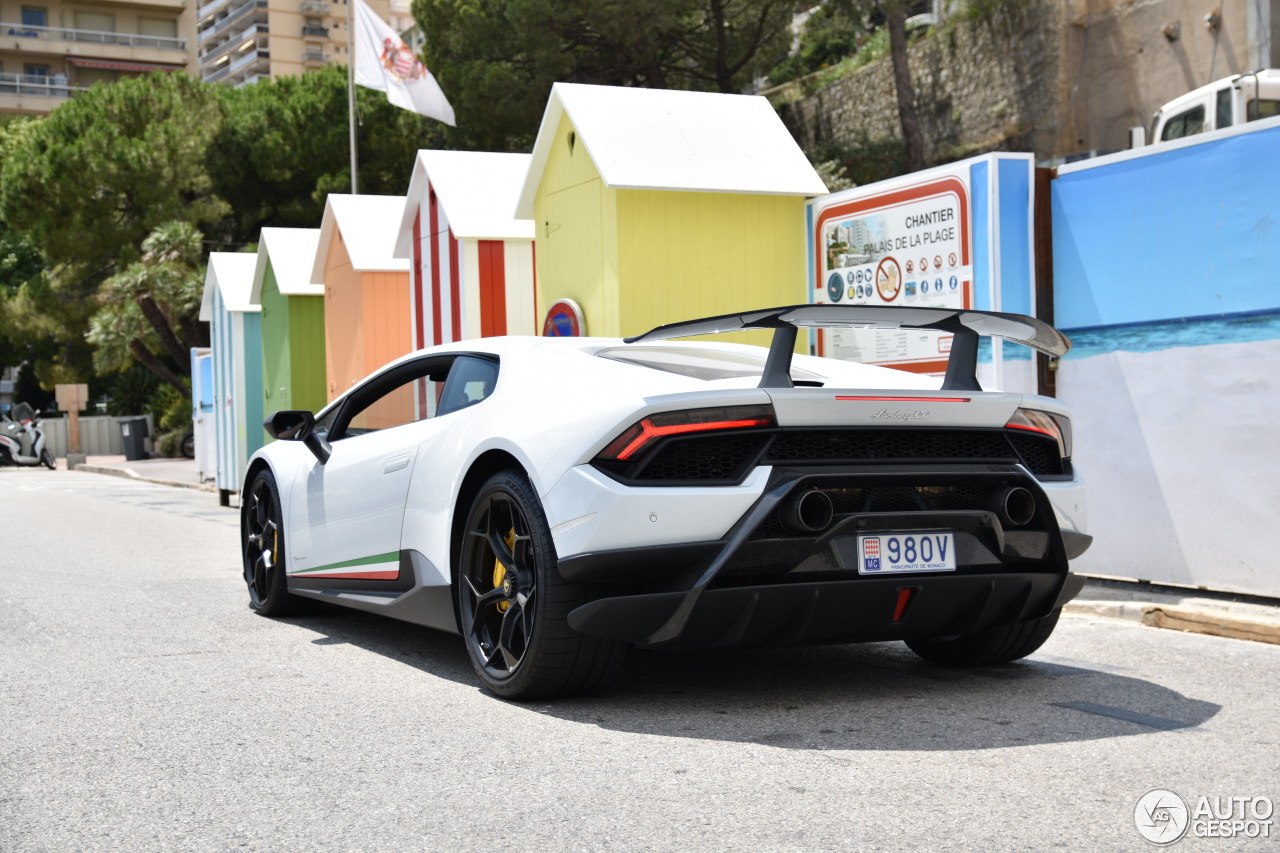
999	645
263	547
46	459
513	605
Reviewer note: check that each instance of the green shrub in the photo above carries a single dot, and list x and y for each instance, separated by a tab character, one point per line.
863	160
170	443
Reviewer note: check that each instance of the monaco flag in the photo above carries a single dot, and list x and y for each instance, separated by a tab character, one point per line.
385	63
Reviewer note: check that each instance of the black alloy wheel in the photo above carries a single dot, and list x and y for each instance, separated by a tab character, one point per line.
262	535
513	603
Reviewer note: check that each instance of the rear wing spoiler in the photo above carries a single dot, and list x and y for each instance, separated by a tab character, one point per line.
965	326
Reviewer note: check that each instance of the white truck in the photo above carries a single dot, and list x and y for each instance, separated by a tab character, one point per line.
1223	103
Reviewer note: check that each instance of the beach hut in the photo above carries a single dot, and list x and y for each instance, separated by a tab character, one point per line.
292	320
235	330
366	289
471	258
652	205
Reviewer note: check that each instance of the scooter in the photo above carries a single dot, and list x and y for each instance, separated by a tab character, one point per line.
22	440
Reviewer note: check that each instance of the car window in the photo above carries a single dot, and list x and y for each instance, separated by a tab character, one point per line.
426	388
399	396
1262	108
471	380
1222	113
1184	124
324	423
397	407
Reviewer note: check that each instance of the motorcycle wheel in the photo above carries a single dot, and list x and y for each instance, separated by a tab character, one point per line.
46	458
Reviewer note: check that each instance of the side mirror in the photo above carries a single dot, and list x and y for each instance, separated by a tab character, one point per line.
298	426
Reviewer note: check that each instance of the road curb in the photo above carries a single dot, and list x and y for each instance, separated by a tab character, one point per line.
1195	621
1218	624
130	474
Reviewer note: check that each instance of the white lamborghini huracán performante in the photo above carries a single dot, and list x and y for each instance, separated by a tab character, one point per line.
557	501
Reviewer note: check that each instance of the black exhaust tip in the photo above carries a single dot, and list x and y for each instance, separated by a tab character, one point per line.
1016	506
808	512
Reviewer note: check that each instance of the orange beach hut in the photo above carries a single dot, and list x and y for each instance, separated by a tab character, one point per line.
366	289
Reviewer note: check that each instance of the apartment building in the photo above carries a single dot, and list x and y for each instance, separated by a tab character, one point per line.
49	50
241	41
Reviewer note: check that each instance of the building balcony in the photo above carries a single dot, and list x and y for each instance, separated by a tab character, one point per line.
38	39
238	15
314	57
33	93
253	62
238	40
205	10
176	5
314	8
315	31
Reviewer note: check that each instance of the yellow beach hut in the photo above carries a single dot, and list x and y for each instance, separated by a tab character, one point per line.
652	205
471	259
366	290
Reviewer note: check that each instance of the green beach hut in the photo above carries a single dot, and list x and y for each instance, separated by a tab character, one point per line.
293	371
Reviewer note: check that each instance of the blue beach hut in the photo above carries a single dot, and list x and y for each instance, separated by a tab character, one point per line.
235	330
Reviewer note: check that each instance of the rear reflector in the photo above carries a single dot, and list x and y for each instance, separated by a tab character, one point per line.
904	598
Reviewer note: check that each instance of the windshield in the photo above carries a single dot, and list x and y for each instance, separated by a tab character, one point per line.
22	412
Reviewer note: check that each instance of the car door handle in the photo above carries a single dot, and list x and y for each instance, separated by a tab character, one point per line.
395	463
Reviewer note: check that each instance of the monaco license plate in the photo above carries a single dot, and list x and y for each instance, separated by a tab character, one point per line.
890	553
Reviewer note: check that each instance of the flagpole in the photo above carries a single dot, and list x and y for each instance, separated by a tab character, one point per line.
351	96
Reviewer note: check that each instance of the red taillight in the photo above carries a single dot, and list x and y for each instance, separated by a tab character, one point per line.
663	424
907	399
1052	426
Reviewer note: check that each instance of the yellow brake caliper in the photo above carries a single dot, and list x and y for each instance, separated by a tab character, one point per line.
500	571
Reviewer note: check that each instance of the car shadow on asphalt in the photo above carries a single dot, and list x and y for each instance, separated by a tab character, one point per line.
874	696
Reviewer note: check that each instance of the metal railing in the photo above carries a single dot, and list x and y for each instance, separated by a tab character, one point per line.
314	56
232	17
209	8
232	67
233	42
37	85
314	30
317	7
94	36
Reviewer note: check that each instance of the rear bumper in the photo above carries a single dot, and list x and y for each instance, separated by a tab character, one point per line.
765	584
860	610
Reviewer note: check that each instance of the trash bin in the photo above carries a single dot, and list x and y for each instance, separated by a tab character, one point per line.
134	431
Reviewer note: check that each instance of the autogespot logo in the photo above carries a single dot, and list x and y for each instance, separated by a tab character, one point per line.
1161	816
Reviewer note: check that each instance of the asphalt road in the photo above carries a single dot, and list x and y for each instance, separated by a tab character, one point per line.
144	707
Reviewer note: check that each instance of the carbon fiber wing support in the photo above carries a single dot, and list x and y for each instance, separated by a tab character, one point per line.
965	326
